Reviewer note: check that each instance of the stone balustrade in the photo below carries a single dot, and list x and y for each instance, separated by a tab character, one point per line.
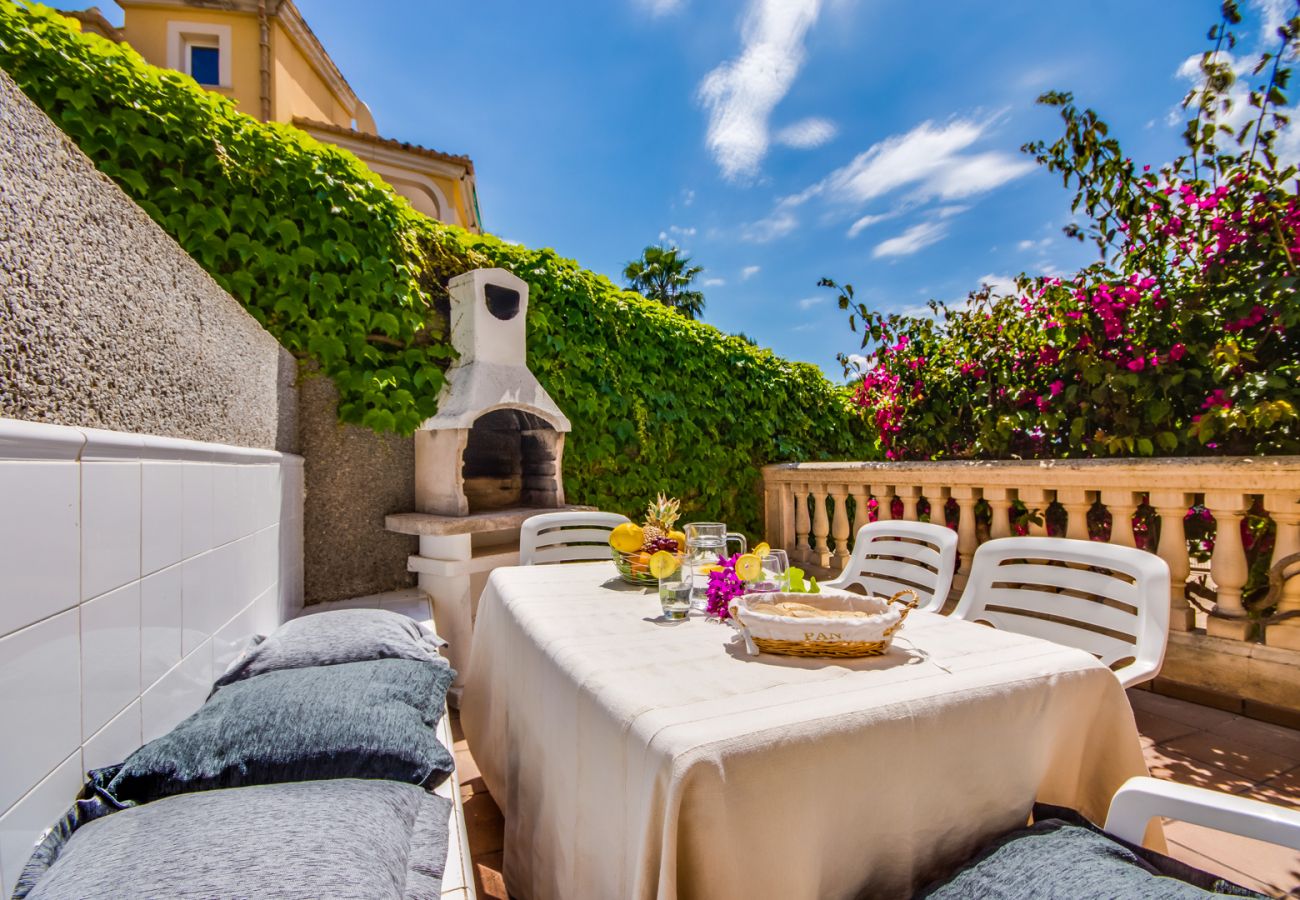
809	508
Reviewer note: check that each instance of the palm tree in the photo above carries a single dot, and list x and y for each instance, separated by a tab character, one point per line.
665	275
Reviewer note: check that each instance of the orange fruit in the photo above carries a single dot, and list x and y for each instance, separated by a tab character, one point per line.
641	563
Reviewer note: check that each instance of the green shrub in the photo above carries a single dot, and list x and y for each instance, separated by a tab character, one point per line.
344	273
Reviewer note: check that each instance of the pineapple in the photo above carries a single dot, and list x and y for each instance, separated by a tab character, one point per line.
660	516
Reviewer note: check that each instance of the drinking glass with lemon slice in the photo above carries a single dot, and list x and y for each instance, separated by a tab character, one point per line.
674	573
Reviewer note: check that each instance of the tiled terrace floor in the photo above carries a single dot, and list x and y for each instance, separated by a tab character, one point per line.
1183	742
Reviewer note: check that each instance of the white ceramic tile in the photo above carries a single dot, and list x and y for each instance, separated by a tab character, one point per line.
177	694
196	490
160	623
40	545
227	579
199	613
161	515
266	611
231	639
35	440
110	526
22	826
110	656
40	699
115	741
225	504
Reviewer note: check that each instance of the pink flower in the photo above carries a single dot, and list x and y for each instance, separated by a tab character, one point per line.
1056	387
1137	364
1177	351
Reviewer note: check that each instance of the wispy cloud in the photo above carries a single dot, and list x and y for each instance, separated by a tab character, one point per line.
932	163
741	93
1029	244
1239	111
1273	15
749	272
688	196
916	238
658	8
935	161
807	133
1001	284
808	303
714	282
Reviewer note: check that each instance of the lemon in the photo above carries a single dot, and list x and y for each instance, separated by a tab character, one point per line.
663	564
627	538
762	550
749	567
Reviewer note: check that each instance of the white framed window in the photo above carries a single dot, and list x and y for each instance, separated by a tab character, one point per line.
201	51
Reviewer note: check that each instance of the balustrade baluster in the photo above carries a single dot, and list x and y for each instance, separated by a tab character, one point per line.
967	536
1285	511
1077	502
1121	505
1172	508
1228	565
1035	500
802	549
884	494
999	499
840	524
861	514
821	527
909	494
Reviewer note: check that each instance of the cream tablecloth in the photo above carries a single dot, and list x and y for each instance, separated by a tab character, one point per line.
635	759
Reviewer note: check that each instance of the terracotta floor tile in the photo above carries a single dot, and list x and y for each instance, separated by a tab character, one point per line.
1161	728
484	825
1172	765
487	877
1252	763
1283	790
1250	863
1178	710
1264	735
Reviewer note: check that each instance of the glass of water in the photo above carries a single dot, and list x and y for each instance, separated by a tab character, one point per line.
774	578
705	543
675	590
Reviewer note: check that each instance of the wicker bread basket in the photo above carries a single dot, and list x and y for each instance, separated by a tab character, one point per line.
789	624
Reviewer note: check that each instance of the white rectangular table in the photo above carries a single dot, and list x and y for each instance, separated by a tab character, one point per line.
637	759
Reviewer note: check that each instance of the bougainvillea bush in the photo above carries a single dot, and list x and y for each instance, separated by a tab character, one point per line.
347	276
1183	339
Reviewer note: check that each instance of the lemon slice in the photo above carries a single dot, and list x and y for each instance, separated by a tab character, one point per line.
761	550
663	564
713	567
749	567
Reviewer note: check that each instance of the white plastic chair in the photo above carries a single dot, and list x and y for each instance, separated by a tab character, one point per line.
892	554
1107	599
571	536
1141	799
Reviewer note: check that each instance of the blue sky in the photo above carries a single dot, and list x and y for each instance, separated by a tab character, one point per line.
777	141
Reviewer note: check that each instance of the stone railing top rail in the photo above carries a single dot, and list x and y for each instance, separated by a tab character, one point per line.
1250	474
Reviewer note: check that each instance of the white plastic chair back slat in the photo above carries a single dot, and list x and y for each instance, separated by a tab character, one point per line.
1026	569
1066	606
570	536
1101	584
893	555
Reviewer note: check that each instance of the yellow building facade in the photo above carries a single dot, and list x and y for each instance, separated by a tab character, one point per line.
264	56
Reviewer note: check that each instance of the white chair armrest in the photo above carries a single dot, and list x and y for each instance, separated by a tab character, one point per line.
1141	799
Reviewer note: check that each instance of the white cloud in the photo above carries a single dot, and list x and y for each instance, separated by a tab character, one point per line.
658	8
741	93
806	326
916	238
688	197
808	303
807	133
859	363
1029	244
1273	15
931	159
1287	145
1002	285
714	282
867	221
931	163
749	272
674	233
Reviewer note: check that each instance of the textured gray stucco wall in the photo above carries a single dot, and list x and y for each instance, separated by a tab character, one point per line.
106	322
354	478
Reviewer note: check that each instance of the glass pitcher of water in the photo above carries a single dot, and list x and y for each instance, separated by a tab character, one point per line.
705	542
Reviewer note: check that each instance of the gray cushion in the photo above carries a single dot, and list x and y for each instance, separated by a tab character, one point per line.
354	720
341	636
1065	857
345	838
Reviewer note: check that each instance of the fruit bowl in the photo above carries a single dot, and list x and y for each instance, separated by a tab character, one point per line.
634	568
